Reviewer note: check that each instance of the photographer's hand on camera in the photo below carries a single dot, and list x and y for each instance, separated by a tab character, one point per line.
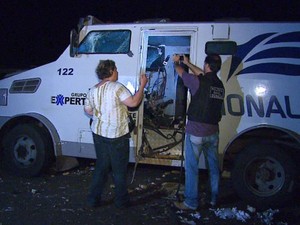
186	61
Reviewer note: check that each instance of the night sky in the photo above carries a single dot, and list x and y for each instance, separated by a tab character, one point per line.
35	32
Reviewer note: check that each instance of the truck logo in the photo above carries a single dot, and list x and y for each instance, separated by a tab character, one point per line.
274	47
59	100
74	99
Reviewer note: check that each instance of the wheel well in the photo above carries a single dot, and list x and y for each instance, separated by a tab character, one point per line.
286	140
26	120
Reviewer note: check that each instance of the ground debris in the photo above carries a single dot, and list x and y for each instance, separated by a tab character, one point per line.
186	221
231	213
9	209
67	210
61	199
267	216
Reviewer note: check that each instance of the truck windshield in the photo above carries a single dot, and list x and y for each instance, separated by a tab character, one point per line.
106	42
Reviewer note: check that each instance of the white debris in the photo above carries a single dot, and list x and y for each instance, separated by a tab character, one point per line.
67	210
196	215
186	221
9	209
143	186
227	213
179	212
242	216
224	213
251	209
267	216
33	191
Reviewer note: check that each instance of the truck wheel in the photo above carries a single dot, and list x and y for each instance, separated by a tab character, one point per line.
264	175
26	150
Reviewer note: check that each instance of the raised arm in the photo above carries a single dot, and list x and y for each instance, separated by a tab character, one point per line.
195	69
134	101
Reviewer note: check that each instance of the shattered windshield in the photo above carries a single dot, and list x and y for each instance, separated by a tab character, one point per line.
106	42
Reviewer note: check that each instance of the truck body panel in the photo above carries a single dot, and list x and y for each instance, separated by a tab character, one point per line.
260	76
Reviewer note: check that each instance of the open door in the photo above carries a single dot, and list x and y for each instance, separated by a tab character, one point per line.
166	98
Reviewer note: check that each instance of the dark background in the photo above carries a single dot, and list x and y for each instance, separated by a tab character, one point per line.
35	32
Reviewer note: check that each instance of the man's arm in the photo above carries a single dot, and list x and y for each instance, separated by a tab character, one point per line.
195	69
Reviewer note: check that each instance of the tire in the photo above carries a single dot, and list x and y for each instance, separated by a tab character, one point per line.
27	150
264	175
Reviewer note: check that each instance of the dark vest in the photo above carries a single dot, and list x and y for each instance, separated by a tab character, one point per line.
206	104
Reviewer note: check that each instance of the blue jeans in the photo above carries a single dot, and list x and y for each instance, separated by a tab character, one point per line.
194	146
112	155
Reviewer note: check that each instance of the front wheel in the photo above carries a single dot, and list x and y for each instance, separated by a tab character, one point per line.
264	175
27	150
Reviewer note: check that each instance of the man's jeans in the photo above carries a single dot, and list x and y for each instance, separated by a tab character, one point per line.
194	146
112	154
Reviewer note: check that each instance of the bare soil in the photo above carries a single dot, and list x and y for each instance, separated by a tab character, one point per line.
60	198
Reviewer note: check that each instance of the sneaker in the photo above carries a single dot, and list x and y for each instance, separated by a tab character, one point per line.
182	206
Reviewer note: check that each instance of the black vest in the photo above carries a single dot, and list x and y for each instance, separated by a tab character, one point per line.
206	104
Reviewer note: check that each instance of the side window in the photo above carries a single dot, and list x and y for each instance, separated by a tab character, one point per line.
106	42
220	47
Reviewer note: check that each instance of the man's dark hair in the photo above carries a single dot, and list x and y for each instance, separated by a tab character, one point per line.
105	68
214	61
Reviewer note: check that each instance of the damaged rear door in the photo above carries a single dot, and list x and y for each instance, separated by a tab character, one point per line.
161	132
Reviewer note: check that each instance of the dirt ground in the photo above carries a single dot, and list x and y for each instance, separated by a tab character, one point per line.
60	198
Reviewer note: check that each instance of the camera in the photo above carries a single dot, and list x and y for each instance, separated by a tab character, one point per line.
181	58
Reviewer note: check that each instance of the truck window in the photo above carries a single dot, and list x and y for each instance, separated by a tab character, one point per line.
25	86
220	47
106	42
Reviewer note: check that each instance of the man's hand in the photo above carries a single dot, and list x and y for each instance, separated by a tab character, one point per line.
186	60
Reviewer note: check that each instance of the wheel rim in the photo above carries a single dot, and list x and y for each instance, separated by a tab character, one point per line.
264	176
25	151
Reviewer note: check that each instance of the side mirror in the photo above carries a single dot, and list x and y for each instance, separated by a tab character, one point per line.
73	43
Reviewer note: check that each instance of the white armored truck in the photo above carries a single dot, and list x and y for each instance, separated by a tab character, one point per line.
42	117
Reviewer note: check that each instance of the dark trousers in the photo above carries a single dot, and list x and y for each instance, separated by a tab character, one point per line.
112	155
